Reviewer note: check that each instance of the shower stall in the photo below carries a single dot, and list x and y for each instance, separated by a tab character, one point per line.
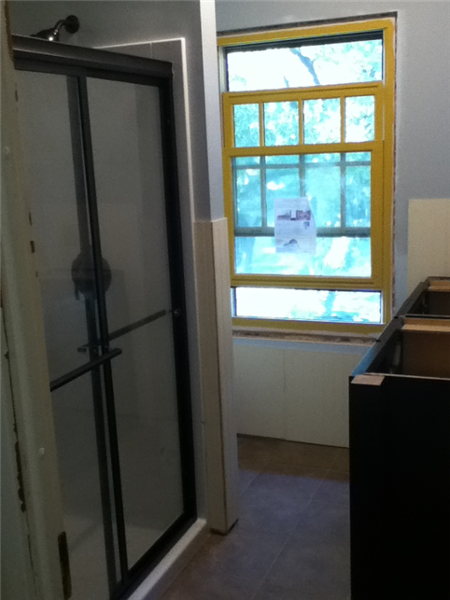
100	159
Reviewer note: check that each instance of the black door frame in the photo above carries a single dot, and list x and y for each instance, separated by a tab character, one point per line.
76	63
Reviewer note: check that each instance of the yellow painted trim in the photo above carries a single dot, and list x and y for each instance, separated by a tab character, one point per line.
301	149
388	169
261	124
228	205
307	93
309	283
382	168
290	325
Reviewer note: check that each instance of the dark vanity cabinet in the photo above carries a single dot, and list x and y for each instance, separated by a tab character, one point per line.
431	298
400	459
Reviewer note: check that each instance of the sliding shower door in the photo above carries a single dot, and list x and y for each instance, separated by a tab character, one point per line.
99	149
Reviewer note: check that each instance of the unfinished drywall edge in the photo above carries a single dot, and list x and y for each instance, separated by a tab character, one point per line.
17	579
225	353
217	435
24	332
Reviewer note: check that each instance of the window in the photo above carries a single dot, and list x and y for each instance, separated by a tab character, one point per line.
308	175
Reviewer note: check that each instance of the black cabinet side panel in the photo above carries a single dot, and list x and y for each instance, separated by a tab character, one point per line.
400	489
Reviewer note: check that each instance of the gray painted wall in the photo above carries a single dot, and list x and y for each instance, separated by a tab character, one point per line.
423	92
114	23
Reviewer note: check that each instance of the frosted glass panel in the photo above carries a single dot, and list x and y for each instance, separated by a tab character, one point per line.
130	196
325	63
56	201
77	442
322	121
281	123
308	305
131	204
147	421
360	119
246	125
248	196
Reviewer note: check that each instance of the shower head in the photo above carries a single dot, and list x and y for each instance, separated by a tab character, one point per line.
71	24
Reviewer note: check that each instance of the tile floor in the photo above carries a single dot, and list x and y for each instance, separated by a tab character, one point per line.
292	538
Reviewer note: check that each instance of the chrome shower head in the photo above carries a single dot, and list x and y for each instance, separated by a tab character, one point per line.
71	24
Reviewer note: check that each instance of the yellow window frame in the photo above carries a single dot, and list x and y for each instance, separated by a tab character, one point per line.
382	161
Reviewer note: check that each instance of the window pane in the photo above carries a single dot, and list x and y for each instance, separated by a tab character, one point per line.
246	125
247	185
338	190
343	257
334	257
305	66
310	305
247	161
281	123
360	119
282	160
357	196
323	158
358	157
322	121
323	187
280	183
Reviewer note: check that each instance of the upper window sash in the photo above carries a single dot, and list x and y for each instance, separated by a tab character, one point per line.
305	62
300	108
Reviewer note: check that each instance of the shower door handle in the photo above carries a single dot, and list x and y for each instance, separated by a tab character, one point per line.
129	328
79	371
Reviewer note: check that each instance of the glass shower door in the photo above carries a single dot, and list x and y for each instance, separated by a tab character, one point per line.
127	151
102	192
48	120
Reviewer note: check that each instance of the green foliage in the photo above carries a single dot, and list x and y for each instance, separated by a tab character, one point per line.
337	185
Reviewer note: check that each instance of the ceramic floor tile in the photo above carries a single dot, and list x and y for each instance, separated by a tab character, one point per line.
272	592
342	461
292	538
246	477
309	455
197	583
241	553
290	478
325	523
255	451
335	487
274	501
316	559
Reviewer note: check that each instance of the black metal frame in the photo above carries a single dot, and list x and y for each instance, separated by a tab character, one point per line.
77	64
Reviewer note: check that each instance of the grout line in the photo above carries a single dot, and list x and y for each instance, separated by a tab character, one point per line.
289	537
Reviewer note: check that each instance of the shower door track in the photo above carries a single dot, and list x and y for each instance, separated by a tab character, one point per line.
32	54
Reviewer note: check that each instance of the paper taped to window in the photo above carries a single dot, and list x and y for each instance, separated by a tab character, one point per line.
295	226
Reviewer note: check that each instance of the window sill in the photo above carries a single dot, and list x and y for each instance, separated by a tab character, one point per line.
262	333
